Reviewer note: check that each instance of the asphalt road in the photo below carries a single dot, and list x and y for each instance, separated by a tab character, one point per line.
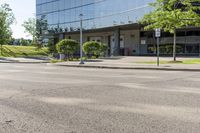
40	98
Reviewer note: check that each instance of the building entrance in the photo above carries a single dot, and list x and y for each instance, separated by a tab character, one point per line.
96	39
113	46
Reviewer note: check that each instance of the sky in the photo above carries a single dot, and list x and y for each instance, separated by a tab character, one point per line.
23	9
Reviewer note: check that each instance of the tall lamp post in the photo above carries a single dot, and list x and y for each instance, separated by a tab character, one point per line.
81	39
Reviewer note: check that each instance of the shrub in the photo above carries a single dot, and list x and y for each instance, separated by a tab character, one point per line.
169	49
51	47
67	47
103	49
94	48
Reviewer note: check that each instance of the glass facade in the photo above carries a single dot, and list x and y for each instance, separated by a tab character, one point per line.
63	15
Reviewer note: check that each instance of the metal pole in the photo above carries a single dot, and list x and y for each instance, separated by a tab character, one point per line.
174	46
158	52
199	50
81	39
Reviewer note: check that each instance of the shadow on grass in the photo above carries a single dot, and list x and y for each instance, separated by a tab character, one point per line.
7	52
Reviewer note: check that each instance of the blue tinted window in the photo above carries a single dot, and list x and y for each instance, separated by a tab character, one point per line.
64	14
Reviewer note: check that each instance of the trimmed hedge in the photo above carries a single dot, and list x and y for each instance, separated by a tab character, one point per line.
93	48
67	47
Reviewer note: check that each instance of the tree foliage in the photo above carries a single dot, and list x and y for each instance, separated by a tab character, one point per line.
30	28
67	47
24	42
170	15
42	31
41	25
6	20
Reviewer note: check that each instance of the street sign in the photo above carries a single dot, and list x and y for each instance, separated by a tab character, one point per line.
158	32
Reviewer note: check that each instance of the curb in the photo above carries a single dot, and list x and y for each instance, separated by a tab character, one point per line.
18	62
131	68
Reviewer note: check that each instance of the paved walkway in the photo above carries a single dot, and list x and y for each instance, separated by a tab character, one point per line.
115	63
23	60
132	63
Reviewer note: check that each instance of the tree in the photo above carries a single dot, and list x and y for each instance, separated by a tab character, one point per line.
6	20
42	29
170	15
23	42
11	41
41	25
30	28
67	47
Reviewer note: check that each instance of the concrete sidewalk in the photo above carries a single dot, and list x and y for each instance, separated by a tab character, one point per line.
23	60
132	63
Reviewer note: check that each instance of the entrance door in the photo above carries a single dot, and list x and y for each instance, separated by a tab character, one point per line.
113	47
122	46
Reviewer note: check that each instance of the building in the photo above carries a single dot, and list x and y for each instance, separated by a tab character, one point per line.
113	22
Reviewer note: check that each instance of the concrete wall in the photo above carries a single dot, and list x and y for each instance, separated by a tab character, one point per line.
131	39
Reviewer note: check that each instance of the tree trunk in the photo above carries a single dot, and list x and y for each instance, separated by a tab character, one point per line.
1	49
154	44
174	46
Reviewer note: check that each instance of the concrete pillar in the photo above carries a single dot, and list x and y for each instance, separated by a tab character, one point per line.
116	50
138	42
105	41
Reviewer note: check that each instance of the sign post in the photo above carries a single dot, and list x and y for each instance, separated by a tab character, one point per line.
81	39
158	34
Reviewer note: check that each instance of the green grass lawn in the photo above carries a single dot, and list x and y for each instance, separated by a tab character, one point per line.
192	61
23	51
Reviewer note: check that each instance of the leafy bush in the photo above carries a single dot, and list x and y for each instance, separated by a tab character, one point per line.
168	49
104	48
67	47
91	48
51	47
94	48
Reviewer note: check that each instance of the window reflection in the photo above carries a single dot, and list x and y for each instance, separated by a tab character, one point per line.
97	13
